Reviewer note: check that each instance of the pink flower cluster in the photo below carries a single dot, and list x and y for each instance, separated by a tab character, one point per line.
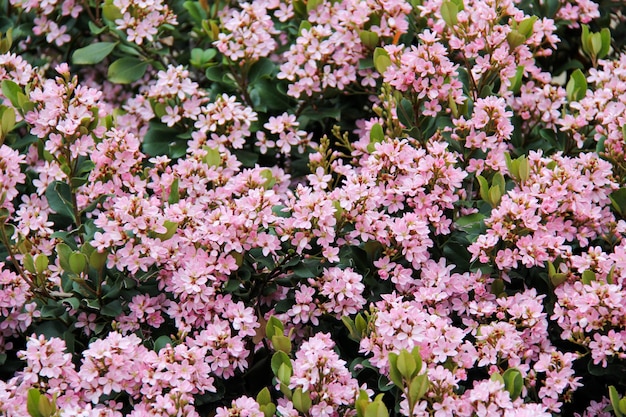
249	32
326	55
142	20
323	376
160	383
460	325
564	202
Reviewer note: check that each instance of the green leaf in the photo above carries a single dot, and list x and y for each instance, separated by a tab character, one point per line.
162	140
59	198
263	68
248	159
278	359
484	188
584	39
161	342
376	409
97	259
525	27
313	4
369	38
449	12
418	387
95	29
615	401
7	121
301	401
497	287
498	180
588	277
605	35
406	364
46	408
111	12
11	91
576	87
497	377
381	60
63	253
77	262
112	309
41	263
284	373
361	324
377	134
93	53
126	70
470	222
406	115
264	397
174	196
32	402
494	195
195	11
515	39
201	58
52	311
596	44
72	302
516	80
618	201
29	263
622	406
394	374
281	343
513	382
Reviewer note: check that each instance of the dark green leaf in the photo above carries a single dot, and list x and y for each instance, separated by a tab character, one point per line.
93	53
162	342
126	70
113	309
162	140
59	198
247	158
52	311
11	91
263	68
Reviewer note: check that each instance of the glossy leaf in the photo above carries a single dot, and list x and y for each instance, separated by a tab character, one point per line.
126	70
93	54
59	197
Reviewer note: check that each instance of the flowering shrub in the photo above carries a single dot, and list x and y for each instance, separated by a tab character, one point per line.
313	208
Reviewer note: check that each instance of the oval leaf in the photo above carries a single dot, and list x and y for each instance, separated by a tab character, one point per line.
127	70
93	54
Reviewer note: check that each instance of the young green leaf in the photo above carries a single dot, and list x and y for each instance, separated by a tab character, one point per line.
449	12
576	87
381	60
32	402
615	402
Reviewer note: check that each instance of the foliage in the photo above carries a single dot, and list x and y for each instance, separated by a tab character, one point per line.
312	208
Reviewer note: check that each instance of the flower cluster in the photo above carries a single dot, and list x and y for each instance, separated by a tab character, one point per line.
142	20
249	32
562	204
326	54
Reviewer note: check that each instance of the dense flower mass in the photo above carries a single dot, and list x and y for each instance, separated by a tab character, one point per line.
321	208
